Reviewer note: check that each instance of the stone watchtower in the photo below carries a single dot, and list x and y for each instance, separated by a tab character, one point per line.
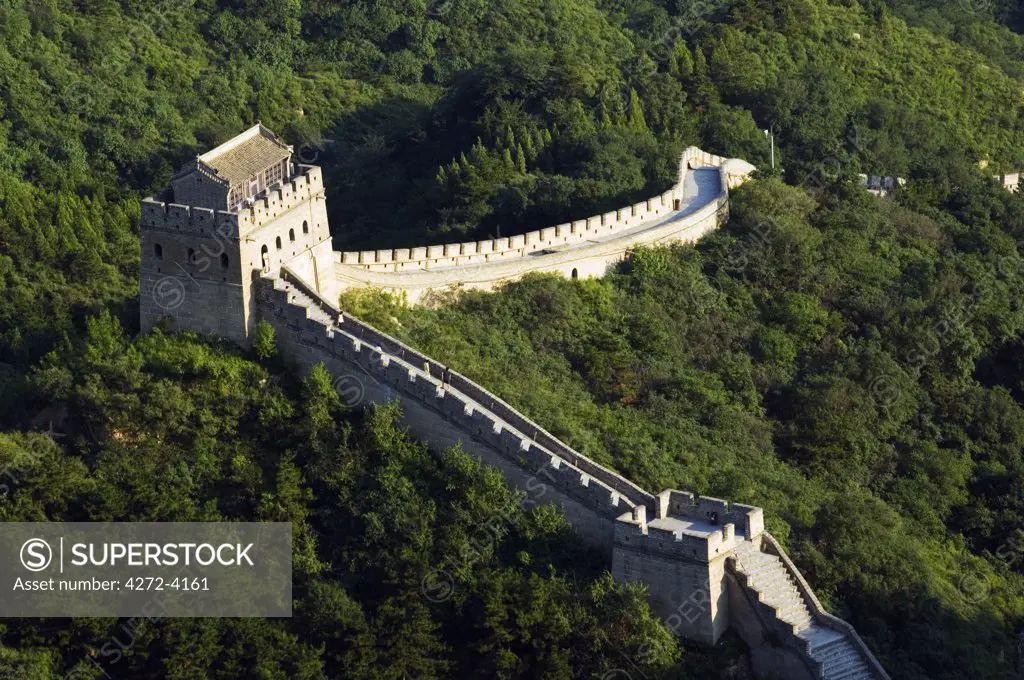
242	209
681	555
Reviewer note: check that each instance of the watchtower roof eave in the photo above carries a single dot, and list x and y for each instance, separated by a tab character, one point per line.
240	158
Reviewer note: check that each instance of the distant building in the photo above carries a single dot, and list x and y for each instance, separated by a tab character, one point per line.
880	185
1010	182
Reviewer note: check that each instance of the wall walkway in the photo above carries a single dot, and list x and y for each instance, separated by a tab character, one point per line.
697	204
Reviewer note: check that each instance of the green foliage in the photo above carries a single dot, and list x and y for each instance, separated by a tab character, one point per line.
852	366
264	343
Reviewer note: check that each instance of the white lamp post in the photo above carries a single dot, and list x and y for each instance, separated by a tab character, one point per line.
771	135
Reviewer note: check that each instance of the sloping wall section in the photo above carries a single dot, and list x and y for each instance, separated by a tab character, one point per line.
685	553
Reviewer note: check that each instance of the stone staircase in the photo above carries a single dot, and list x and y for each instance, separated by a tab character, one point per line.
834	652
299	299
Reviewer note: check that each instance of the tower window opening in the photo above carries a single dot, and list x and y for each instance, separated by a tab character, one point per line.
191	256
158	251
224	260
291	234
305	227
278	243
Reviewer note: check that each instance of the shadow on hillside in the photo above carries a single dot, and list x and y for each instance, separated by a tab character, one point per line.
381	166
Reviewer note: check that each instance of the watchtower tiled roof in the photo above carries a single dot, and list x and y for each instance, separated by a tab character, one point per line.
245	155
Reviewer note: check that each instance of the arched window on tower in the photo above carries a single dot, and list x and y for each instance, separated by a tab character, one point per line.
305	227
158	251
291	234
191	256
278	243
224	260
265	258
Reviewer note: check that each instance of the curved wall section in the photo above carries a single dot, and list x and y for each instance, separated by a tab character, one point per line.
695	205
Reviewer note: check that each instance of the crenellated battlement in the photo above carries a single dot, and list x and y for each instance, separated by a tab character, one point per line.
749	519
161	212
511	247
304	185
678	544
696	204
229	214
170	216
686	528
337	336
568	234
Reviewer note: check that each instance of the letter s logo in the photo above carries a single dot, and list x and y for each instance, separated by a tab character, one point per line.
36	554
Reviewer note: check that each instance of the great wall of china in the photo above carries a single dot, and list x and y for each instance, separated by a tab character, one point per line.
695	205
709	566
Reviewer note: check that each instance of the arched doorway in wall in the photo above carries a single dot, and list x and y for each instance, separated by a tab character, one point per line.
265	258
575	274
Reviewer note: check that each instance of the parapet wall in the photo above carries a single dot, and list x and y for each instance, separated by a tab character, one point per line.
157	214
384	359
671	545
747	519
306	182
493	250
494	404
696	205
681	554
818	612
572	233
278	199
722	527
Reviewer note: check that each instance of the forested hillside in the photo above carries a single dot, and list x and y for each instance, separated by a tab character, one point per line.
850	364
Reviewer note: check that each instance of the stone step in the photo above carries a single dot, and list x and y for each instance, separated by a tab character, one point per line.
781	604
769	582
795	613
775	580
837	655
797	619
763	567
862	672
299	299
855	669
779	589
767	576
839	659
837	649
